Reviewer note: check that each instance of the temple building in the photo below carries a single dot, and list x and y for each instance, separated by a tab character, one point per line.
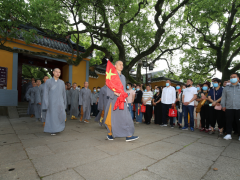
11	63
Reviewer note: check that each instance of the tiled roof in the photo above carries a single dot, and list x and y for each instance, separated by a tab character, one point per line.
50	40
92	74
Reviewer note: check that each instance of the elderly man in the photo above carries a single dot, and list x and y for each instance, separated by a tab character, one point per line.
231	104
54	103
85	100
119	122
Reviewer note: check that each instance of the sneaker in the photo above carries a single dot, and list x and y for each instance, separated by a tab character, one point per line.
132	138
185	128
172	126
180	127
203	129
192	129
165	125
109	137
239	138
227	137
86	121
53	134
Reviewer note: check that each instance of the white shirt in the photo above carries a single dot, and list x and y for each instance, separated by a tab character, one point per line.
168	95
189	94
147	95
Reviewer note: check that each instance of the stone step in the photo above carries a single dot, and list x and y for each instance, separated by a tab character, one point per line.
24	115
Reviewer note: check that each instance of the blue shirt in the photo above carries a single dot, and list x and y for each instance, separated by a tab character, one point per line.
218	93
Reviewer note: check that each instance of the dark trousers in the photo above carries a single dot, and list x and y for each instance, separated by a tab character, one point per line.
189	109
148	114
232	115
204	113
94	109
216	116
165	109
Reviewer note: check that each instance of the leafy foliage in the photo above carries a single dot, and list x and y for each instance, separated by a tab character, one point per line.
36	72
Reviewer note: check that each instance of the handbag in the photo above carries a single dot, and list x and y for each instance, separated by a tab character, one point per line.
172	112
219	107
200	104
134	108
143	108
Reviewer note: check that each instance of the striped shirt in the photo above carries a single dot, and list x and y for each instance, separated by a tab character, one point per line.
147	95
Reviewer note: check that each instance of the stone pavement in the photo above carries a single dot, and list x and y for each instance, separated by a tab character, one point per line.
82	152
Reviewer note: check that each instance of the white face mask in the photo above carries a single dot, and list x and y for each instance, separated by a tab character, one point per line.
156	90
228	84
98	89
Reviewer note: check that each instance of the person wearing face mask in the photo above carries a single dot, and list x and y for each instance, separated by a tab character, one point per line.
181	107
168	101
231	104
147	99
130	98
197	118
176	102
216	115
157	106
138	103
94	101
189	96
202	97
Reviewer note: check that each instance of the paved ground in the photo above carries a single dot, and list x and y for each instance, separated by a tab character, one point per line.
82	152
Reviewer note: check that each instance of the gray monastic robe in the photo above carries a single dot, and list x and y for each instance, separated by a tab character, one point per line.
30	100
74	94
36	99
121	120
102	103
85	100
41	90
54	103
68	97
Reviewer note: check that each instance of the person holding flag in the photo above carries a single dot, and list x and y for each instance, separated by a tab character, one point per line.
118	119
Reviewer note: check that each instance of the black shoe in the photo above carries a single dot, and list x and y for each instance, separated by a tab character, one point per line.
172	126
180	127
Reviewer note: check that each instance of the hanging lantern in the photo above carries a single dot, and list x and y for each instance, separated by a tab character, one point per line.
144	63
151	66
140	62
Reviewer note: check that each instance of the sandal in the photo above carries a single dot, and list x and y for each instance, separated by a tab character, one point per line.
211	132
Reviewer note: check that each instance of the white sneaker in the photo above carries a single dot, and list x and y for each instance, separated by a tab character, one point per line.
227	137
53	134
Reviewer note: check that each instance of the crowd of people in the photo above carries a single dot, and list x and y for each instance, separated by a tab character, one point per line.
209	107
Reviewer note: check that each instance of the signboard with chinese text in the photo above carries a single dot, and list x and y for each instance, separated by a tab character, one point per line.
3	77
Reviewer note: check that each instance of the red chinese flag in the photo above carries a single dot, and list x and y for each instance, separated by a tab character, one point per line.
114	83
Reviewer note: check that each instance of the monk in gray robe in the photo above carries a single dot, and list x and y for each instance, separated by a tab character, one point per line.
37	101
102	104
41	90
74	95
85	100
54	103
29	98
119	122
68	98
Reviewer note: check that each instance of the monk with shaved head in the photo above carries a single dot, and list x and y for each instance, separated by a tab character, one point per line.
54	103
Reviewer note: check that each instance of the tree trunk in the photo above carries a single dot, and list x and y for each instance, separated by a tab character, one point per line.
226	75
138	78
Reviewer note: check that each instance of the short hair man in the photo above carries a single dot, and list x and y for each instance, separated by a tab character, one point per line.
231	104
147	101
95	97
188	98
168	101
